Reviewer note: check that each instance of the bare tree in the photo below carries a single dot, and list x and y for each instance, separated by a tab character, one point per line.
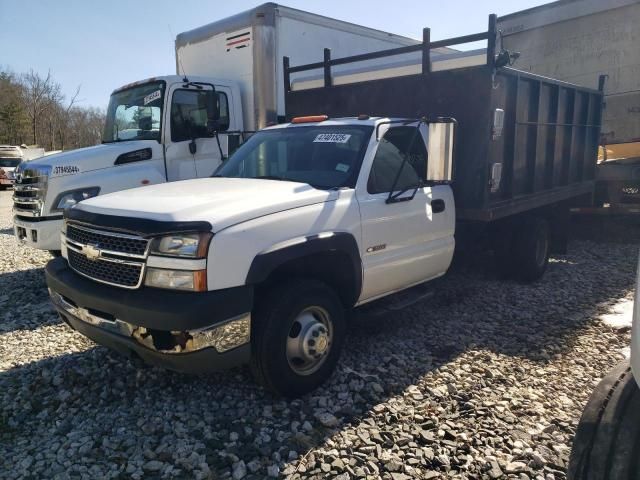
37	92
63	118
52	113
34	110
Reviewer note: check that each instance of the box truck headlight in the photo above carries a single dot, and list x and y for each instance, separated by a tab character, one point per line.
192	280
190	245
70	198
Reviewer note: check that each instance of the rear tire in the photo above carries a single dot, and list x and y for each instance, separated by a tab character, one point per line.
607	443
531	245
298	332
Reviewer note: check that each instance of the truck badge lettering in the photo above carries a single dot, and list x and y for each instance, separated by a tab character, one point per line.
152	96
376	248
64	170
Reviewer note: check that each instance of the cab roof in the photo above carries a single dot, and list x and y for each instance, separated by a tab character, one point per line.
371	121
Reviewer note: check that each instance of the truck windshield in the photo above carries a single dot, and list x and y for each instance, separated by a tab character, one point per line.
322	156
135	113
9	162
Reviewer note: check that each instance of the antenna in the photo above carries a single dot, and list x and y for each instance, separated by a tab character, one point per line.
184	74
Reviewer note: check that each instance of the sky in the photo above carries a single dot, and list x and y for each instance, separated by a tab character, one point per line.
103	45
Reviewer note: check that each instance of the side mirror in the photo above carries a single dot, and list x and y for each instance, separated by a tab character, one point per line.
145	123
212	127
213	113
440	150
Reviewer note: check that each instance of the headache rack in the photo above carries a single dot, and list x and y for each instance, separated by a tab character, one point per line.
523	140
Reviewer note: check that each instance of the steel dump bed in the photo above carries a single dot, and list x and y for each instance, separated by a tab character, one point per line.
545	153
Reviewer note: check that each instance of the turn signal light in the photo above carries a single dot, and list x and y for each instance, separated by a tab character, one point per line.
310	119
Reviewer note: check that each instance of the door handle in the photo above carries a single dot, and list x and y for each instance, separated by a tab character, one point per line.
437	205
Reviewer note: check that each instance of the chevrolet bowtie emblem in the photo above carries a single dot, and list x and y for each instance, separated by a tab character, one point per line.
91	252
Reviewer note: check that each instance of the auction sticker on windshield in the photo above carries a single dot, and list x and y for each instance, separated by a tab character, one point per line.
151	97
61	170
332	138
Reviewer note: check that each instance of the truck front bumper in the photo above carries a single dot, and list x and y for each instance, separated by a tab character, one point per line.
42	234
182	331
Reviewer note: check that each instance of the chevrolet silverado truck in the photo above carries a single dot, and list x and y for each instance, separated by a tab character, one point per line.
307	220
258	263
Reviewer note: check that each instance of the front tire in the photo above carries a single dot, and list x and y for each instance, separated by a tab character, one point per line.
298	332
607	441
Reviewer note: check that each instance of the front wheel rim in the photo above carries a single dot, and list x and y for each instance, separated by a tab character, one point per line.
309	340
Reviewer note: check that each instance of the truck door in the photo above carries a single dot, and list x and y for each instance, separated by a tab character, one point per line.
409	240
190	149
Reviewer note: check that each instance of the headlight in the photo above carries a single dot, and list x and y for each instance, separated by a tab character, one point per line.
193	280
191	245
70	198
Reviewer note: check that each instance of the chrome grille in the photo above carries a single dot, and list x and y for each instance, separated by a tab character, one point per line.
107	241
109	257
107	271
29	191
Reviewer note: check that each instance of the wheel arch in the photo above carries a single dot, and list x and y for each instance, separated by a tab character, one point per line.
332	257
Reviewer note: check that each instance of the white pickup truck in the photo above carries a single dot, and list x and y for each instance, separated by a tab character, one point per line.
156	129
259	263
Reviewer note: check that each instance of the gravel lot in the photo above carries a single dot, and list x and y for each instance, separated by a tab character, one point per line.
486	380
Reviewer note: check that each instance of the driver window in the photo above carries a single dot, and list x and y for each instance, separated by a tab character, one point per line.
389	157
189	114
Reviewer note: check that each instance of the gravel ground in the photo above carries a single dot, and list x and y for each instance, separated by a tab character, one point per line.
486	380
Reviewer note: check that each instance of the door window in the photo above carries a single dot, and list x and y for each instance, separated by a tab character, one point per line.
189	114
397	143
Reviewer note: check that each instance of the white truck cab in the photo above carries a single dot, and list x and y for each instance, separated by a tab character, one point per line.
259	263
157	130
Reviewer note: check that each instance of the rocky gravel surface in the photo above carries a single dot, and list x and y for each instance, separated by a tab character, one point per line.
485	380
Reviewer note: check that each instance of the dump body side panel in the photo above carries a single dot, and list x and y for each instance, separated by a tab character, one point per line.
548	147
549	143
458	94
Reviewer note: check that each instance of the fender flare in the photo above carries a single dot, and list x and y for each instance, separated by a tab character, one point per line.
343	242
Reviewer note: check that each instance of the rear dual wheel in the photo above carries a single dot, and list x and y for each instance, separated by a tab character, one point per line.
298	332
522	248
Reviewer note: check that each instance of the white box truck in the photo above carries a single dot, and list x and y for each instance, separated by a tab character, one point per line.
177	127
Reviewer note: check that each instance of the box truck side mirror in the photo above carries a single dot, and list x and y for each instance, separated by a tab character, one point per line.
213	113
440	151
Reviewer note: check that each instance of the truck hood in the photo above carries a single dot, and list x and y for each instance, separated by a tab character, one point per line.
89	158
220	201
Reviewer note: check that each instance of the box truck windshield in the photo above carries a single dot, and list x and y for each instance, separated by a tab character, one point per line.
135	113
9	162
322	156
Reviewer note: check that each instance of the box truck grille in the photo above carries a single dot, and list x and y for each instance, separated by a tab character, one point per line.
28	192
125	244
126	275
